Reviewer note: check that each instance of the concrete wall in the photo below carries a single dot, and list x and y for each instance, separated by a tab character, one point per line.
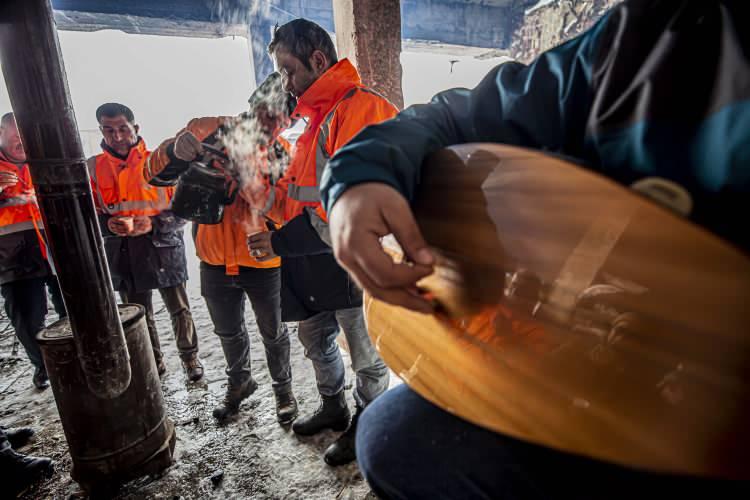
539	29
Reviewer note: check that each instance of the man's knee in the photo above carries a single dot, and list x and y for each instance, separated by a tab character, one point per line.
374	449
276	336
386	450
318	334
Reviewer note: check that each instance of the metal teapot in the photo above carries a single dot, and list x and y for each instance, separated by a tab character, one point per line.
205	188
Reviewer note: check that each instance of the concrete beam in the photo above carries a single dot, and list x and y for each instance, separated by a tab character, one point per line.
476	23
368	32
71	20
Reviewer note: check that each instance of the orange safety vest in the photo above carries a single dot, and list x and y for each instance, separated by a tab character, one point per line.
337	106
18	207
119	187
223	244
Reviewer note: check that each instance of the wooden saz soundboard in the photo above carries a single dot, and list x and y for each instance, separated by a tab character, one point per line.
576	314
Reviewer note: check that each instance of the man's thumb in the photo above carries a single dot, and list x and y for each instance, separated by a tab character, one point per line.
404	227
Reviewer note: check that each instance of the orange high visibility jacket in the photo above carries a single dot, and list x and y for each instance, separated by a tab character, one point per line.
336	106
118	185
18	207
23	252
223	244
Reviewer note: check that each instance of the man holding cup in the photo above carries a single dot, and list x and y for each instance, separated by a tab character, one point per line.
25	273
142	238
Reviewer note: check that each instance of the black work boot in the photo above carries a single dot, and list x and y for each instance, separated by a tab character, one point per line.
233	397
40	379
21	471
19	436
331	414
343	450
286	407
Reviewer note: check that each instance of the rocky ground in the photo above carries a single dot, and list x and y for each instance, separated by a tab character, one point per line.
250	457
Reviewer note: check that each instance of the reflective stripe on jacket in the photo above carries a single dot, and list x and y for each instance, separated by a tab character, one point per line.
119	187
223	244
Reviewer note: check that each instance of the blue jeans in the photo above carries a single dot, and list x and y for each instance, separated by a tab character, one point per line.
318	336
409	448
225	298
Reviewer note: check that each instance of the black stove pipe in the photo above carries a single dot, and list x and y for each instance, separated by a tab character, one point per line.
35	76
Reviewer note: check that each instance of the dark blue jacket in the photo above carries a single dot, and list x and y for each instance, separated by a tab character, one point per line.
148	262
657	88
312	280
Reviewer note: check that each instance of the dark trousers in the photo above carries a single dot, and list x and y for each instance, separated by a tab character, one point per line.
176	301
409	448
225	298
26	307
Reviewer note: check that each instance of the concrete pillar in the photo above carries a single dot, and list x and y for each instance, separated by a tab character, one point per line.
368	32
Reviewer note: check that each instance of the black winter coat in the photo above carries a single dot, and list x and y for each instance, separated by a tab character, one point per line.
311	279
21	258
154	260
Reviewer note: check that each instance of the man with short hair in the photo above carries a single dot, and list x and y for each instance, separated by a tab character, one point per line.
25	273
316	291
142	238
228	273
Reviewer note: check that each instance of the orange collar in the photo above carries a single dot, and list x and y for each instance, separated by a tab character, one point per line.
4	158
327	90
135	155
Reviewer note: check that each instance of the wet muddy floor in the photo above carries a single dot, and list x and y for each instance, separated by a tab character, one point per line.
250	457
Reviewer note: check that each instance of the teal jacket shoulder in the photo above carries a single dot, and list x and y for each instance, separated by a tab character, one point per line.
656	88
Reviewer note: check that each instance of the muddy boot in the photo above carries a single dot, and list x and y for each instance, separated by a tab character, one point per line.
331	414
286	407
40	379
343	450
20	471
232	399
193	369
18	437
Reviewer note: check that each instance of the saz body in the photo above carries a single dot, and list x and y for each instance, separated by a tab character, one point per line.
576	314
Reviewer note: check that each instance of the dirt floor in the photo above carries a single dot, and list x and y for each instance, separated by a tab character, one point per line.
253	455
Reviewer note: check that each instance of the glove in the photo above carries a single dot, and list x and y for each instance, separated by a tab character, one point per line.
187	147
